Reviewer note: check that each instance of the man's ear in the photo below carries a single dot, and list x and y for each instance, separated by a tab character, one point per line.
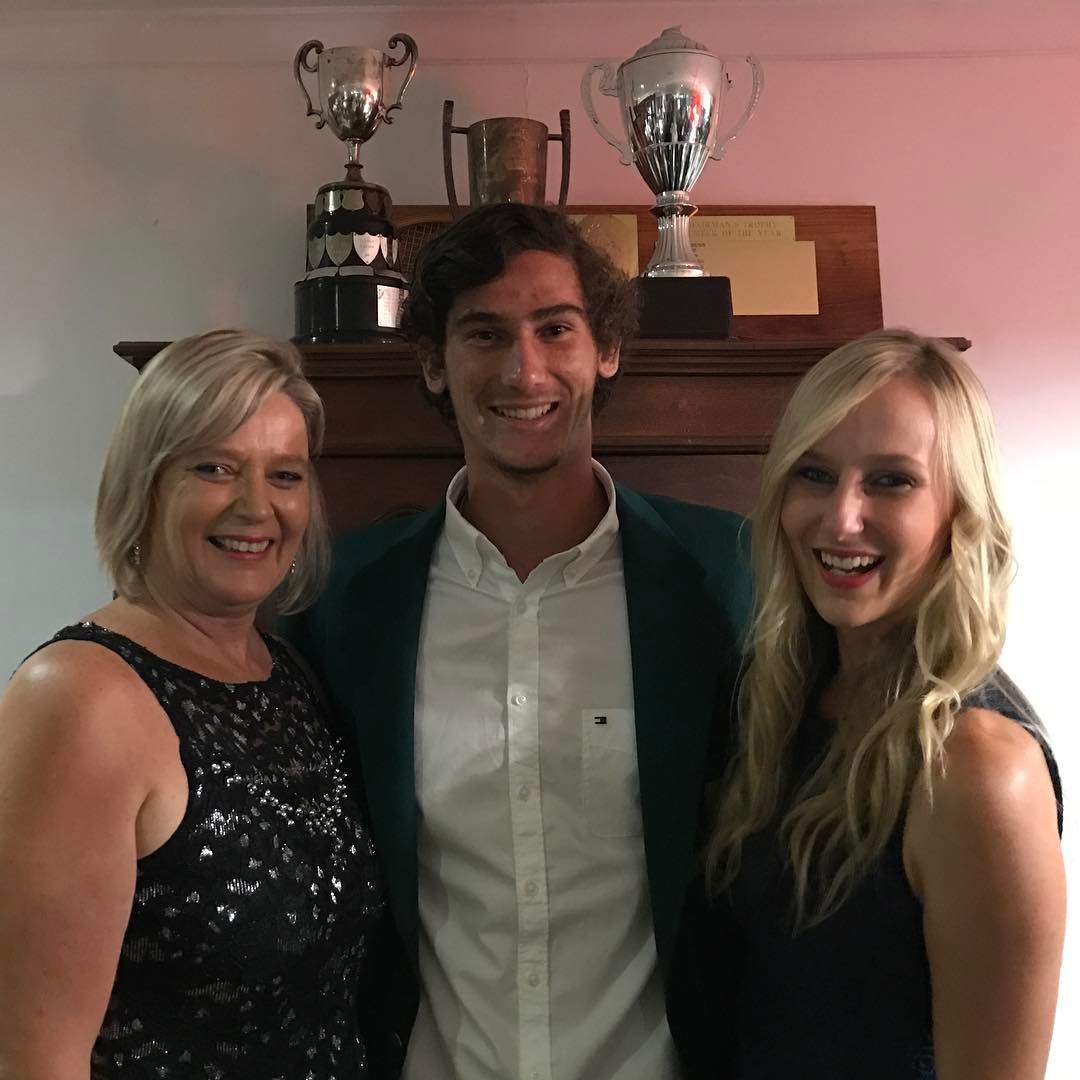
608	365
431	363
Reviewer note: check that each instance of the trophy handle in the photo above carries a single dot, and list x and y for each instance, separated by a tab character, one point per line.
448	159
607	87
564	138
410	54
751	105
302	61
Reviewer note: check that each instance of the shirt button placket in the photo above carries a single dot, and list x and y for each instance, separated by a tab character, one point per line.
526	815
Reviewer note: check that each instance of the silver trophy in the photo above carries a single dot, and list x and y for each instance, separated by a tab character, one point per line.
671	94
352	289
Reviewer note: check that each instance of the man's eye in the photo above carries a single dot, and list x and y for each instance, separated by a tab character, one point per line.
287	477
557	329
481	337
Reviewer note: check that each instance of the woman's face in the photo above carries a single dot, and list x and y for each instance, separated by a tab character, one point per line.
866	512
230	517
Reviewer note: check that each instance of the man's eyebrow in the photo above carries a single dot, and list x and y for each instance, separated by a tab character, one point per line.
472	318
556	309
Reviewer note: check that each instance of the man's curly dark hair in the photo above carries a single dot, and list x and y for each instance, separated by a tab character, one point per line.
475	250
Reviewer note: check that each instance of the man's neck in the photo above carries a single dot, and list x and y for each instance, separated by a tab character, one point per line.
531	518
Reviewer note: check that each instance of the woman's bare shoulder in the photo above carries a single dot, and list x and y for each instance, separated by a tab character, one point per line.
79	695
993	807
992	763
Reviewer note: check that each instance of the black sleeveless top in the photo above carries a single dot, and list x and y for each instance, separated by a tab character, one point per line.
848	998
244	951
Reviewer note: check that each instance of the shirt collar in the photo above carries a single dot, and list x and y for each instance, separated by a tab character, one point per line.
473	550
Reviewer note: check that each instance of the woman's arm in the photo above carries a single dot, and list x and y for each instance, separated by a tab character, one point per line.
75	763
986	862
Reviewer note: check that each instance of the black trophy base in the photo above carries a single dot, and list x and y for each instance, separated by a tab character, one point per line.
358	309
685	307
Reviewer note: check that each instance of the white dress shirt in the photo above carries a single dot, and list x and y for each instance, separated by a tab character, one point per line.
537	956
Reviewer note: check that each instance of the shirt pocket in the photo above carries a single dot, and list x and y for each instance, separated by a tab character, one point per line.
609	772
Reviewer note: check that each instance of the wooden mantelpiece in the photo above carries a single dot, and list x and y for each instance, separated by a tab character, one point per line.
689	419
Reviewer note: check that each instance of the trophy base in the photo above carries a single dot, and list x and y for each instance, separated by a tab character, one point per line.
685	307
360	309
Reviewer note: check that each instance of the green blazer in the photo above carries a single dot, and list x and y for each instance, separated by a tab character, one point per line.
688	596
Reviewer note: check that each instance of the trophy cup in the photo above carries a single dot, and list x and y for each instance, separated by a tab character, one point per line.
352	289
672	94
507	158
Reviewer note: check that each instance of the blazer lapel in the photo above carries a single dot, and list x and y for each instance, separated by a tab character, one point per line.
381	632
675	632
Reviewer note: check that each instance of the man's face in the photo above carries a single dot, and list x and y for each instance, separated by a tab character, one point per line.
520	363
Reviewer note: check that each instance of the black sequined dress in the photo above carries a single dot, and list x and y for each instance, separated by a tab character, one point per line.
244	952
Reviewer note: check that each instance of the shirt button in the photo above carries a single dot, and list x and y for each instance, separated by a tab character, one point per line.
521	606
519	699
534	978
524	792
530	888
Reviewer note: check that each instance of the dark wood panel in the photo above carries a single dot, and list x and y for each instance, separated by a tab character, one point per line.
726	480
367	415
690	412
362	490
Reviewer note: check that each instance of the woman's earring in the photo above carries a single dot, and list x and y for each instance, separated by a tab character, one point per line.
135	555
292	569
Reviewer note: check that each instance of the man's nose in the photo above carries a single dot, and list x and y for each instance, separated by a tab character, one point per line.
524	366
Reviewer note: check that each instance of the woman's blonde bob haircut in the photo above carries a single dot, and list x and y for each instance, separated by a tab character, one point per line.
837	823
193	394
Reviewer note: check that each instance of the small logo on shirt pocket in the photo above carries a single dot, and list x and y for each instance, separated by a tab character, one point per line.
611	794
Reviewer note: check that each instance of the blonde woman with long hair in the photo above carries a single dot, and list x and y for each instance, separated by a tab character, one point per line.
885	866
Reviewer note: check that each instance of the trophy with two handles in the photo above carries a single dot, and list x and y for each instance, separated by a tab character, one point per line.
671	95
353	288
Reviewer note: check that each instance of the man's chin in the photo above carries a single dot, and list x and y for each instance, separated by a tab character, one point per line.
523	470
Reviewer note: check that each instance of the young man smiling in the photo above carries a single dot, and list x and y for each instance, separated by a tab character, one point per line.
534	672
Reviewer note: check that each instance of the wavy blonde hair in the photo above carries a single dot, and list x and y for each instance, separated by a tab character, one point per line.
839	820
192	394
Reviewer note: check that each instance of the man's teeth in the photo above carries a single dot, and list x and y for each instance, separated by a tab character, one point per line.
533	413
848	564
253	546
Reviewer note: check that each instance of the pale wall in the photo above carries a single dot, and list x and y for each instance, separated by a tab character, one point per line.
156	169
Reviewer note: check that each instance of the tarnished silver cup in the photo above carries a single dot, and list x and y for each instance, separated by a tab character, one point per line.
353	288
352	88
671	93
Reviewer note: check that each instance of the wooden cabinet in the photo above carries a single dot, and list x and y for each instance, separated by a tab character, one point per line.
689	419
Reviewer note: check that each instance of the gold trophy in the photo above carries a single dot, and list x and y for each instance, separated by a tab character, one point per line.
507	159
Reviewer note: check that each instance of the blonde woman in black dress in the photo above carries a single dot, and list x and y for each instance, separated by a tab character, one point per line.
887	875
188	883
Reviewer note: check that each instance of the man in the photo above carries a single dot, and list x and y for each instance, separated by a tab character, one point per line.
533	671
